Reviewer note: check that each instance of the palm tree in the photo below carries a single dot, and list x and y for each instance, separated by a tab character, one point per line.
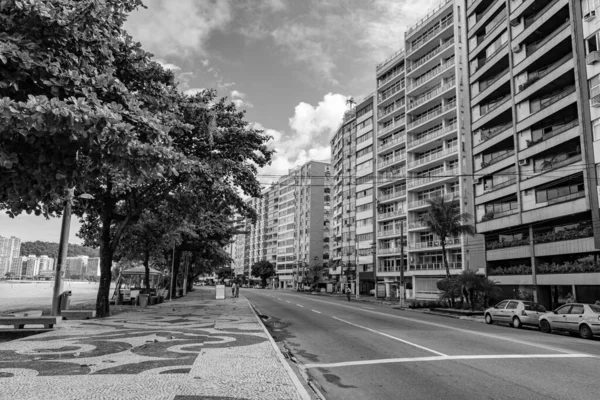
445	220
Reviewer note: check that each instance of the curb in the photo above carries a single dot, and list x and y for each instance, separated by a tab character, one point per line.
302	392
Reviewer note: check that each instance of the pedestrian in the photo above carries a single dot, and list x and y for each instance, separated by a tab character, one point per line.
237	291
348	293
233	286
570	298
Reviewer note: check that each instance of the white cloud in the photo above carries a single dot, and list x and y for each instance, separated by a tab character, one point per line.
311	129
167	65
193	92
239	99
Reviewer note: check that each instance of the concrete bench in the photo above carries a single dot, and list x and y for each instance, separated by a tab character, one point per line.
20	322
77	314
34	313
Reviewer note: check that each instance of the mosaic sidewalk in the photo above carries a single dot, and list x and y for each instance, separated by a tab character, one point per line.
192	348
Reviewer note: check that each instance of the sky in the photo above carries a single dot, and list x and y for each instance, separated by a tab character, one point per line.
291	64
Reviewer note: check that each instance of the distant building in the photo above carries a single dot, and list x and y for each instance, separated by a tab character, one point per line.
10	248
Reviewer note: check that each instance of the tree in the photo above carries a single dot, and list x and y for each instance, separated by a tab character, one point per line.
263	269
313	272
224	273
444	219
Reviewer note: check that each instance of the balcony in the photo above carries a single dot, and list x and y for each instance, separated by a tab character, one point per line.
554	132
392	143
555	161
491	25
416	225
487	134
423	118
539	74
497	159
491	187
533	47
430	95
391	196
489	107
388	128
557	97
385	178
393	214
390	161
483	85
432	135
425	202
434	244
391	91
532	18
432	177
435	266
389	232
391	250
429	56
483	61
426	38
433	157
387	111
382	82
428	76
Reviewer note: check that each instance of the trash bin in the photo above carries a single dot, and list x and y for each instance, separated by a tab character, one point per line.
65	300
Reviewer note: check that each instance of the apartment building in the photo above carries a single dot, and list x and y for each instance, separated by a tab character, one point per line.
343	218
10	248
422	120
364	184
534	80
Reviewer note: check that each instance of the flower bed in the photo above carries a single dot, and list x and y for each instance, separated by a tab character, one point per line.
514	270
579	233
506	243
575	267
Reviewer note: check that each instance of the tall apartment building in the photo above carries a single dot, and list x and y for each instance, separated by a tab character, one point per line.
343	218
292	226
534	78
10	248
422	121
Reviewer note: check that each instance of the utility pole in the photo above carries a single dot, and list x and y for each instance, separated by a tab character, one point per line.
171	295
402	291
63	248
357	271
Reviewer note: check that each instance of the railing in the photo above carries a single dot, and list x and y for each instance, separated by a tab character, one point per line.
392	126
387	111
487	134
429	14
433	156
491	188
554	132
391	91
434	266
417	225
429	75
486	109
391	161
390	250
425	202
484	12
486	84
388	177
428	96
417	181
497	159
389	59
432	135
539	74
391	196
531	19
382	82
434	243
431	115
392	214
532	48
482	62
430	55
494	23
548	165
392	143
389	232
559	96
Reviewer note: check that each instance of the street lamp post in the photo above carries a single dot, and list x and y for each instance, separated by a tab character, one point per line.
357	271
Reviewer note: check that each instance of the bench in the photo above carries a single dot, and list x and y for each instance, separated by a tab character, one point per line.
23	314
20	322
77	314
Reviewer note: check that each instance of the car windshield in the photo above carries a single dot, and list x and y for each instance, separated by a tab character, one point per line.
595	308
534	307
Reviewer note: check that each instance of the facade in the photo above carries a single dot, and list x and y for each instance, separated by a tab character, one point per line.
344	197
535	80
10	248
422	122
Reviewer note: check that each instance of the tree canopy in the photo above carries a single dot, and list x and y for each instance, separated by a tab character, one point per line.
263	269
50	249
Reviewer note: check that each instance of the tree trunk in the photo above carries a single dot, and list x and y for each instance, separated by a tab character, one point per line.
147	271
176	261
445	258
102	299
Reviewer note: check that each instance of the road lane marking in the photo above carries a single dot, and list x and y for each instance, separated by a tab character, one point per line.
318	312
278	298
446	358
289	302
299	305
391	337
438	325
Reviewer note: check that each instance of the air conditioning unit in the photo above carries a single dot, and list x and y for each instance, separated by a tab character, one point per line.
589	16
595	101
592	58
479	181
517	48
515	22
524	162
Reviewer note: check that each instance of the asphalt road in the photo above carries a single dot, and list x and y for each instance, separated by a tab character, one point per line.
363	351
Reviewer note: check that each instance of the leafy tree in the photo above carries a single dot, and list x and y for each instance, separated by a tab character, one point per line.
444	219
224	273
314	272
263	269
50	249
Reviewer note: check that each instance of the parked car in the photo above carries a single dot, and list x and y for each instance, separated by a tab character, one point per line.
573	318
515	312
372	292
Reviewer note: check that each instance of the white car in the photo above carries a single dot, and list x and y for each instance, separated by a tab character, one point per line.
573	318
515	313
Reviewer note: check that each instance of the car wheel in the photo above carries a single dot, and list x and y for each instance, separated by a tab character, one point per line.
488	319
516	323
545	326
585	332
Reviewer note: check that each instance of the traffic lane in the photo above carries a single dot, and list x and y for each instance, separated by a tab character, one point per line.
501	378
319	331
501	332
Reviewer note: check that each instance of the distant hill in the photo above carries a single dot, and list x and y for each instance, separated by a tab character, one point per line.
50	249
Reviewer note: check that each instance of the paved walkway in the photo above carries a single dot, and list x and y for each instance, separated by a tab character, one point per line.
192	348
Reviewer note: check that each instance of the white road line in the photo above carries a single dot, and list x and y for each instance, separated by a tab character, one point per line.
446	358
391	337
278	298
318	312
438	325
299	305
289	302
